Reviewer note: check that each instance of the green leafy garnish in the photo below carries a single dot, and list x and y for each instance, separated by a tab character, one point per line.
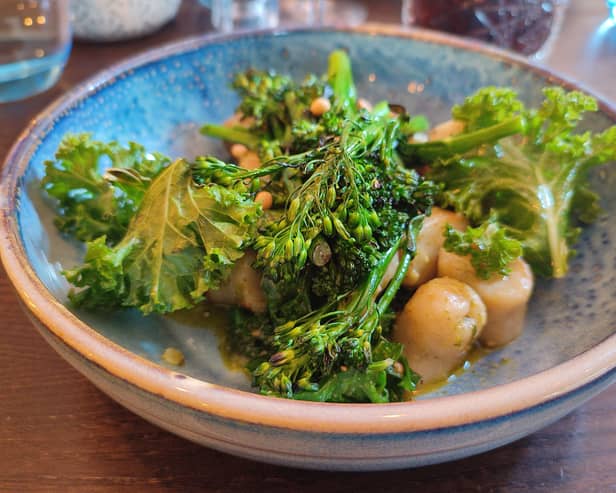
487	107
89	204
490	250
182	242
534	183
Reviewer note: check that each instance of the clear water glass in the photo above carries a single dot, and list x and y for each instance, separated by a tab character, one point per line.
228	15
611	5
35	41
322	12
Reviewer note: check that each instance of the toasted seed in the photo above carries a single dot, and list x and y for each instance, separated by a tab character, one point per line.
265	199
173	356
238	150
319	106
250	160
321	254
364	104
446	129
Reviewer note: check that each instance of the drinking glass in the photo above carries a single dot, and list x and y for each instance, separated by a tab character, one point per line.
322	12
528	27
228	15
611	5
35	41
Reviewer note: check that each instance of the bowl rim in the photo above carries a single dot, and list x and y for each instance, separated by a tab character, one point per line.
237	405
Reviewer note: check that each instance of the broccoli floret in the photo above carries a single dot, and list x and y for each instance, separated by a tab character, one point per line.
249	334
348	266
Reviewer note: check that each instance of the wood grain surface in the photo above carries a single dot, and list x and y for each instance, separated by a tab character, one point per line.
59	433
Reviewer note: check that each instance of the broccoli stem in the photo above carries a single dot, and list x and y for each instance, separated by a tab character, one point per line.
340	78
363	299
239	135
459	144
407	255
211	170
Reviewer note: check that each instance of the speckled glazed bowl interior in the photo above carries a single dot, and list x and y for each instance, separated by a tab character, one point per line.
566	354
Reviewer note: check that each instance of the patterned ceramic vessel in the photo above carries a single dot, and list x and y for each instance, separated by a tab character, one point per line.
114	20
566	355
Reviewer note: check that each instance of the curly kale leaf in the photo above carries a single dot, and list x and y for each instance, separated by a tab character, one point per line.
90	204
490	249
535	183
182	242
488	106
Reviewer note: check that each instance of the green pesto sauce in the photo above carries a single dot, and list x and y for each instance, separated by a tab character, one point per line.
214	318
477	353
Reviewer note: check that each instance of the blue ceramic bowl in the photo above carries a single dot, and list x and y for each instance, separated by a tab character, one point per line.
566	355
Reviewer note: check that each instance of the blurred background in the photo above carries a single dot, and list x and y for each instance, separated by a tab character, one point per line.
575	37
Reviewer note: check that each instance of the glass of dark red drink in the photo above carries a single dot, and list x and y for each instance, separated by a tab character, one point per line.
525	26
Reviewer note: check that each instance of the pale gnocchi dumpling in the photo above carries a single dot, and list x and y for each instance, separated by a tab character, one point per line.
428	244
429	241
243	288
446	129
438	327
505	297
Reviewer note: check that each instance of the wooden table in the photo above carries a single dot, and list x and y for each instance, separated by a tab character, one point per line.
59	433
